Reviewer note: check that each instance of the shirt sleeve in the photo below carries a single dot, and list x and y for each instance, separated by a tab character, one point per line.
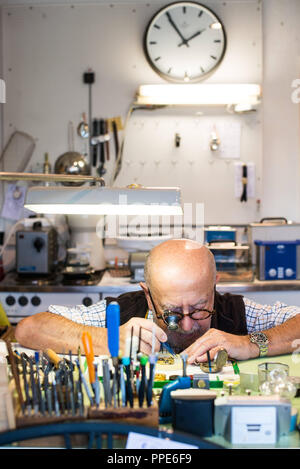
260	317
94	315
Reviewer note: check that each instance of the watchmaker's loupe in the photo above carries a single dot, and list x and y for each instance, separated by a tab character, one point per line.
172	321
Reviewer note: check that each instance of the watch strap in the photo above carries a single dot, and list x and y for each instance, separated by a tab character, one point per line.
261	340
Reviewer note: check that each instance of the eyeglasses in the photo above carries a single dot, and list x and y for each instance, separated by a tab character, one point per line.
172	318
196	315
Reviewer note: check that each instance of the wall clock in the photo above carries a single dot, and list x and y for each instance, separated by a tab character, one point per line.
185	42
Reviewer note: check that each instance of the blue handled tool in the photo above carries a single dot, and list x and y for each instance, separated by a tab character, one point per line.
113	324
167	347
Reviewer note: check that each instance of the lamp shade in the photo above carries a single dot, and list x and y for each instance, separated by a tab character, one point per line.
104	201
193	94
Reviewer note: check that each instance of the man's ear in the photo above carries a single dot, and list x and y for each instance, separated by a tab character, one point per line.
217	277
146	291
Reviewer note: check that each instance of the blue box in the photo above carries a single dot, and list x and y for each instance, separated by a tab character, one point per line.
278	260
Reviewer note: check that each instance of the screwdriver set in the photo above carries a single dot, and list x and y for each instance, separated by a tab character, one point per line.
50	387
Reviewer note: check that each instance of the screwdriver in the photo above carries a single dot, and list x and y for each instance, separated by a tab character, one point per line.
113	324
85	384
33	388
143	384
129	392
39	389
52	357
88	348
122	385
27	396
152	361
106	382
97	386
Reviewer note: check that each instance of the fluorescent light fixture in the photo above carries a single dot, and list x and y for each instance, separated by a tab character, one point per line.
2	91
206	94
104	201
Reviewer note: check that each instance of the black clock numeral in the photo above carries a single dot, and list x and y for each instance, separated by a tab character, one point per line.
184	9
169	71
213	57
152	42
217	40
157	58
200	14
156	26
202	69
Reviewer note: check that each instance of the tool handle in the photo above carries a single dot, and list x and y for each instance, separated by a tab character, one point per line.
165	401
89	353
142	386
150	385
129	393
52	356
113	324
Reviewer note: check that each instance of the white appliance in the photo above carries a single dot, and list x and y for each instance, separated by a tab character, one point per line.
19	305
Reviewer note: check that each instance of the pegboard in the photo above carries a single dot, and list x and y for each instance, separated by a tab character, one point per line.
47	48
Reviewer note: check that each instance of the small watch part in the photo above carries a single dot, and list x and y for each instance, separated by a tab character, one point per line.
217	364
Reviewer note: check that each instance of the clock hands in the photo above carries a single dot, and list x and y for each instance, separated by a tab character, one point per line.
191	37
184	41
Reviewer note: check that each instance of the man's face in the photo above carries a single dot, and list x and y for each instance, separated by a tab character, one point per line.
187	301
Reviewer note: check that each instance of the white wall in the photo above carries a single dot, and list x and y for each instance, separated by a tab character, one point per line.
48	47
281	50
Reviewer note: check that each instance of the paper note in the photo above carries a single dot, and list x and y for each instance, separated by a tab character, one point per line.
13	207
229	136
140	441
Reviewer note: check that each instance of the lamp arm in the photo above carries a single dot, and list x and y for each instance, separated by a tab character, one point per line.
41	177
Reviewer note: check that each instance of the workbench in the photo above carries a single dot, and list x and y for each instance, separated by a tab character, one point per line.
250	366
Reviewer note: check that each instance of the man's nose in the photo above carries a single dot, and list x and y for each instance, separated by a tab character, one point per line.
186	323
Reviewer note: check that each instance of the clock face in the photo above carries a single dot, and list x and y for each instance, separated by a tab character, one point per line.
185	42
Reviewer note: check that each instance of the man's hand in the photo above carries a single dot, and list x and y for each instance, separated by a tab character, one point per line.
146	328
237	346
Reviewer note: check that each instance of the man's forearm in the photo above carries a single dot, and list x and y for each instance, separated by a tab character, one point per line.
282	338
48	330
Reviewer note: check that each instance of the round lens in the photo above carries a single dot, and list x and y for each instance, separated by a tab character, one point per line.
172	321
200	314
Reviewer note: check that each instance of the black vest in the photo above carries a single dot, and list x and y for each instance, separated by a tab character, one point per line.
230	310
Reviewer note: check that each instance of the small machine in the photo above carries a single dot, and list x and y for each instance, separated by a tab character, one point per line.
252	419
36	250
278	260
136	264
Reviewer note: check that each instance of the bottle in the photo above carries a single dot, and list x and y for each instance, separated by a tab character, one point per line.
47	165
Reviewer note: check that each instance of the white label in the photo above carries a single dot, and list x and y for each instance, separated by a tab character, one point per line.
140	441
253	425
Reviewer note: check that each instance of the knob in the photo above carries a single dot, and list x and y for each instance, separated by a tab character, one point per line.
38	244
289	272
272	272
87	301
35	301
10	300
23	301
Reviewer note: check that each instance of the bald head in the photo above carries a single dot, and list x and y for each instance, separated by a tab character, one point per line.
180	263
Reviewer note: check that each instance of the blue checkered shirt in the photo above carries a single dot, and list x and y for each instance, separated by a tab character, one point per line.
259	317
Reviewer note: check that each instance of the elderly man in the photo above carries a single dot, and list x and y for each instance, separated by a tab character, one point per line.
180	279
